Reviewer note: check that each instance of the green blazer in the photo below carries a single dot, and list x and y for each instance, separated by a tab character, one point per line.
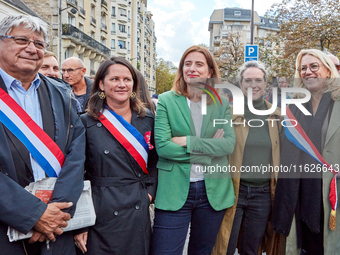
172	120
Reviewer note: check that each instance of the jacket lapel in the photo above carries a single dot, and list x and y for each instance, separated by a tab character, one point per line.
334	123
46	110
182	104
208	118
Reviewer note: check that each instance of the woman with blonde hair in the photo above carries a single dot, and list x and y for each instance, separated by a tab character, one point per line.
247	224
187	142
302	206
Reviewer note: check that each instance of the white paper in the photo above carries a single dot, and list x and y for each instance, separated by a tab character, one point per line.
84	215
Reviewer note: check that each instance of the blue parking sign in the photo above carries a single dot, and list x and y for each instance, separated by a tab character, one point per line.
251	52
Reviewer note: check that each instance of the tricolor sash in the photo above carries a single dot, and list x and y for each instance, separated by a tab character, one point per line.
43	149
298	137
127	135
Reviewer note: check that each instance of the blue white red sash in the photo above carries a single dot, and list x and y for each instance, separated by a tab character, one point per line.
297	136
43	149
127	135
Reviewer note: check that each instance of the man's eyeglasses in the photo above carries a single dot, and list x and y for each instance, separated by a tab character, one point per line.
70	70
23	40
313	67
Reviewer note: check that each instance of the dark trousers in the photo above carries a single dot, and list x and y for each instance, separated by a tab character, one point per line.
252	212
171	227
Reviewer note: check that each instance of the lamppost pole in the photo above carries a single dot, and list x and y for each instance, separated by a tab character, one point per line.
60	31
252	23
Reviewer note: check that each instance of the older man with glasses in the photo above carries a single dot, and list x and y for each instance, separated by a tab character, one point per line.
41	135
73	71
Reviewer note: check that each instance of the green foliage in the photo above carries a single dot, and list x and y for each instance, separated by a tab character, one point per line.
304	24
230	57
164	78
270	54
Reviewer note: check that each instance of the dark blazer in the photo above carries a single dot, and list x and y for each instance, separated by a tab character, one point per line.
18	208
120	190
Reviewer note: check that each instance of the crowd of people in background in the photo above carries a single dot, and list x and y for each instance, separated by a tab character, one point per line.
168	151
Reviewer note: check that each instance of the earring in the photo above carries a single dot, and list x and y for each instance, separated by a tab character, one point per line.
133	95
101	94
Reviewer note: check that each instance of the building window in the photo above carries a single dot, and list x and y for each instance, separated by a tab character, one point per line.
71	19
113	44
103	19
91	64
121	44
68	53
237	13
81	27
128	30
93	34
122	12
262	33
113	13
93	11
129	13
103	40
81	3
81	56
121	28
237	23
113	28
270	21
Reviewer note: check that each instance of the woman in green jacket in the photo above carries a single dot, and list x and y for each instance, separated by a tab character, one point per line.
194	184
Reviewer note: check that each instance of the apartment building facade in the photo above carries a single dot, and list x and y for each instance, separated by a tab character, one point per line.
133	37
96	29
237	20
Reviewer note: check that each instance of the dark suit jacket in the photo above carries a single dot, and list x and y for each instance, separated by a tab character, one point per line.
18	208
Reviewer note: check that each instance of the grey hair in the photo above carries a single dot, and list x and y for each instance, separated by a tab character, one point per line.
255	64
32	23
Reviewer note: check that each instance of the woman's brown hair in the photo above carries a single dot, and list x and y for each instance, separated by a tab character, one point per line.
179	84
95	104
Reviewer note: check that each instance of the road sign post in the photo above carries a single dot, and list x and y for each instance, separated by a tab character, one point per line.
251	52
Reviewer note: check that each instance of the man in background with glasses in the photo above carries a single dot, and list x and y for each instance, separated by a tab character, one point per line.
73	71
40	135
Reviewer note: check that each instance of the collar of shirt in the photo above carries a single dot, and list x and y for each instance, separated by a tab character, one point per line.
199	103
10	81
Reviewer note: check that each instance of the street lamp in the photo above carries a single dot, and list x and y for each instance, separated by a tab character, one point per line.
73	11
252	23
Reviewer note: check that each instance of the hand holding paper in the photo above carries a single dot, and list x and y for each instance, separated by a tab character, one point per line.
52	221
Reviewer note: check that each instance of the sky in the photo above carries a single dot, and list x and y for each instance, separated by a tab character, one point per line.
180	24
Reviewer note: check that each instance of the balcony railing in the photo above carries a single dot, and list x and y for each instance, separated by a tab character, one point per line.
93	20
75	33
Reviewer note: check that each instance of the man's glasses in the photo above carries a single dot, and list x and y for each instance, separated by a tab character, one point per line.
313	67
23	40
70	70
